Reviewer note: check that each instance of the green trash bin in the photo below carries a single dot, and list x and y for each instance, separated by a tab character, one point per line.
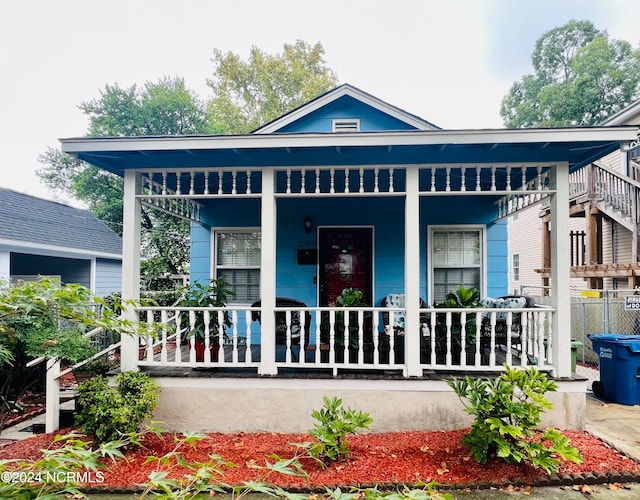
574	353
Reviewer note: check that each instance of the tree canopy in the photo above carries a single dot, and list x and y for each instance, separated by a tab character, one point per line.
581	78
246	95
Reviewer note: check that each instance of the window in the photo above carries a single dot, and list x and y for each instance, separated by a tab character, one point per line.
237	258
456	260
346	125
515	260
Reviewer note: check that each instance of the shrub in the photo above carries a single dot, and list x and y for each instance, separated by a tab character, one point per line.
108	412
507	413
334	424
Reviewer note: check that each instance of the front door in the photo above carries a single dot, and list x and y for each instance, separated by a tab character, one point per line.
345	261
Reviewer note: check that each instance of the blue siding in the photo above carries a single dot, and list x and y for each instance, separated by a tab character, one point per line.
384	214
347	107
108	277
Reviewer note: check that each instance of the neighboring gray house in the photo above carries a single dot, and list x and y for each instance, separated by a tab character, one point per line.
42	237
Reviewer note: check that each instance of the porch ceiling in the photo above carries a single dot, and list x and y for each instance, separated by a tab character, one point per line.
577	146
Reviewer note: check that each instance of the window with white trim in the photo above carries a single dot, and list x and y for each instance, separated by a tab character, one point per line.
237	259
515	261
456	260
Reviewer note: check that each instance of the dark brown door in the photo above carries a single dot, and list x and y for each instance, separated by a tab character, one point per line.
345	260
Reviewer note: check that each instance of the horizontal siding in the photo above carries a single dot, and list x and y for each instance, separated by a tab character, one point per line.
108	277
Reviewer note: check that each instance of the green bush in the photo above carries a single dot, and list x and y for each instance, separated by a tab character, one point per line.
108	412
507	413
334	424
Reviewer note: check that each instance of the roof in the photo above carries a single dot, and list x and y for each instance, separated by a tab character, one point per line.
577	146
627	115
339	93
38	224
392	136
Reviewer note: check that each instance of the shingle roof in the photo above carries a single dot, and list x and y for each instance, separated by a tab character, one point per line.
37	221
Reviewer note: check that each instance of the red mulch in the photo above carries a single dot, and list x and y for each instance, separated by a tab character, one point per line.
400	457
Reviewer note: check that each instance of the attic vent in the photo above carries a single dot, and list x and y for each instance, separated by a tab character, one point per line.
346	125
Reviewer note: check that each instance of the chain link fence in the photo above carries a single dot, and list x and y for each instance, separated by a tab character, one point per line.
593	312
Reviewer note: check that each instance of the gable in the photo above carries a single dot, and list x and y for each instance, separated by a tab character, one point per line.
345	102
346	108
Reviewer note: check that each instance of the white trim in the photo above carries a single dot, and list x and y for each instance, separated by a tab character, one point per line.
318	140
624	115
93	272
214	255
373	252
337	93
483	253
5	266
18	246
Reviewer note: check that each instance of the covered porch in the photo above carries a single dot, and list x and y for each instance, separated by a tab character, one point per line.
429	181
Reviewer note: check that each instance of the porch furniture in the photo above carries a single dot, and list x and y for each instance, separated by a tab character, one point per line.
396	319
393	323
281	321
501	328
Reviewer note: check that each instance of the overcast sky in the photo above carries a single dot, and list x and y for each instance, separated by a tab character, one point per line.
447	61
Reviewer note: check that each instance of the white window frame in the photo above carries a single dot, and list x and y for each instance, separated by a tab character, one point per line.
214	253
453	228
337	122
515	266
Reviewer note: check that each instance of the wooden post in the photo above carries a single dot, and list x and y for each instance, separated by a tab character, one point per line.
412	273
130	264
52	397
268	216
560	271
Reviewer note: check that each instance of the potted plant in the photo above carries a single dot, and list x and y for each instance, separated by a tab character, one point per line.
462	298
348	298
215	294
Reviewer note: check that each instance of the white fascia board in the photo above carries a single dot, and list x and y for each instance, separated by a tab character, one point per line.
54	250
367	99
412	138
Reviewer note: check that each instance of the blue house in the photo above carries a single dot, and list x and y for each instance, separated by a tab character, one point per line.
348	192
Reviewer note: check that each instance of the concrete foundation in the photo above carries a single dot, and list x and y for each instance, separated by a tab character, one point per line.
285	405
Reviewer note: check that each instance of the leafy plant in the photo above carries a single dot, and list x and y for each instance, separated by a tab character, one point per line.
462	298
199	478
421	491
60	471
108	412
349	297
215	294
334	424
507	413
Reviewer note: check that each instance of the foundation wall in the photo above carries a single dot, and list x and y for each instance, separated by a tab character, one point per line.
285	405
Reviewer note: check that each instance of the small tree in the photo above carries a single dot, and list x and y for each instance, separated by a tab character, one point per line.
46	318
507	413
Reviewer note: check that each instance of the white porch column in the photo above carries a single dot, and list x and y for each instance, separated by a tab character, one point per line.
560	271
5	266
412	273
268	216
130	263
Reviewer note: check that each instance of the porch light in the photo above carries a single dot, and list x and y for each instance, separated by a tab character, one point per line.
307	224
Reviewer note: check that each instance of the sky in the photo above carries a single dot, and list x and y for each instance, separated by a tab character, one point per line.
448	61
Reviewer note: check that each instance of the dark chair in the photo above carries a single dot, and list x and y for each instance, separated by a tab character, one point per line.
504	304
281	321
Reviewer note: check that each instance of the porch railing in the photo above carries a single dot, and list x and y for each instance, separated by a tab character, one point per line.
361	338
